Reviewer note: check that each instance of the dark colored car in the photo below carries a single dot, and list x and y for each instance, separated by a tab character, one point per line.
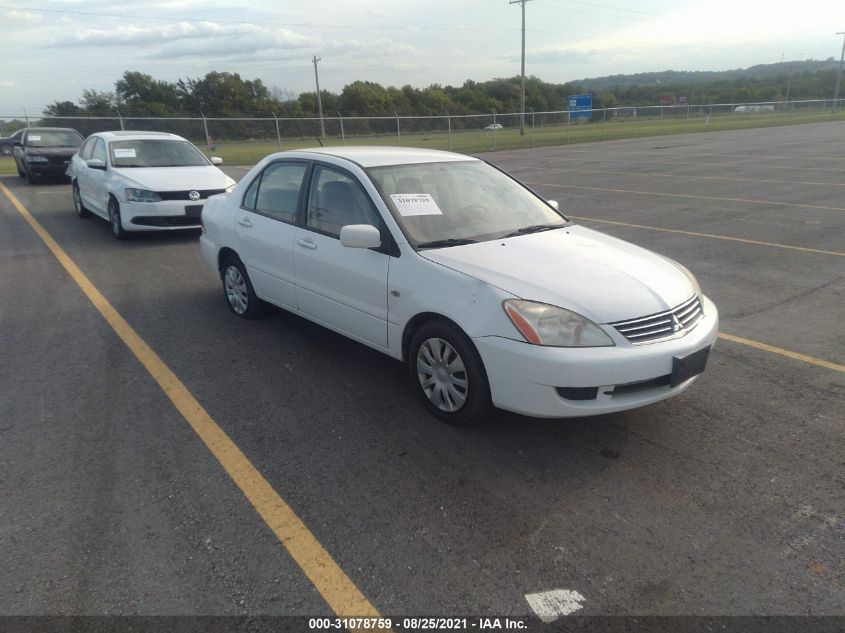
46	151
8	142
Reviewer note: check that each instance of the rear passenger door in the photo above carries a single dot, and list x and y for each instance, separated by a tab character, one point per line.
265	228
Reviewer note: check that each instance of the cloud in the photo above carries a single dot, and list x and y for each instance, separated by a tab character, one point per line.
566	55
21	18
382	50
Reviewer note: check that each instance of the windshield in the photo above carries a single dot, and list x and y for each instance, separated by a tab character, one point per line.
458	202
155	153
53	138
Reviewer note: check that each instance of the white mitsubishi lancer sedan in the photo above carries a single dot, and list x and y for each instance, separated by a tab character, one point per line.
144	181
486	291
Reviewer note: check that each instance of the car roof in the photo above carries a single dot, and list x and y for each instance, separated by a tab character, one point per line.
133	135
48	129
376	156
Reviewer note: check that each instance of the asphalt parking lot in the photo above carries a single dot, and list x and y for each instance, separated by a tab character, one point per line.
727	500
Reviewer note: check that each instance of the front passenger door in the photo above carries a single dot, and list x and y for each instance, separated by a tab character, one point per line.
343	288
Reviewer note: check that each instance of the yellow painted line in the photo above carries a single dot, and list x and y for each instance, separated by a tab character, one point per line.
344	598
606	157
711	235
686	195
783	352
691	177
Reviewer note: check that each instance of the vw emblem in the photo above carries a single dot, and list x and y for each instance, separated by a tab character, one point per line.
677	326
194	195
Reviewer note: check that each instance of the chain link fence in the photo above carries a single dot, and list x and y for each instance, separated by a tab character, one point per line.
246	140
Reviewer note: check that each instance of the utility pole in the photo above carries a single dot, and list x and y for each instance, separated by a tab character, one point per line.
839	74
319	100
522	81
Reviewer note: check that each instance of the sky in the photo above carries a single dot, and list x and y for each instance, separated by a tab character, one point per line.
52	51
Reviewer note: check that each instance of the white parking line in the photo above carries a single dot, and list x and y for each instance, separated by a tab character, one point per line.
551	605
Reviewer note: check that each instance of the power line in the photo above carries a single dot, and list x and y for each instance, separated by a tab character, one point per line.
307	25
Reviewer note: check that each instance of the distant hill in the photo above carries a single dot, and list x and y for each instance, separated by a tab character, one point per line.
677	77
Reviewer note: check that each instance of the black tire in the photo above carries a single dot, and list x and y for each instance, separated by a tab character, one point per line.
21	173
238	291
31	178
456	389
114	220
80	209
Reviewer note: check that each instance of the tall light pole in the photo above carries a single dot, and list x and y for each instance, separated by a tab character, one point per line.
522	81
839	74
319	100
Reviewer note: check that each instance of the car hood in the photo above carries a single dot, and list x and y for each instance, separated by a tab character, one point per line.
600	277
176	178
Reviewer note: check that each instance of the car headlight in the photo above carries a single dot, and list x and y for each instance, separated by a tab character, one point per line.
142	195
543	324
37	159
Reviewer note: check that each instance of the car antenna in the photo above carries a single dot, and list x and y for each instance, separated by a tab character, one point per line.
319	141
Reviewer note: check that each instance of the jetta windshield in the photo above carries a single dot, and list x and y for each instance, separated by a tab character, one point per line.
453	203
155	153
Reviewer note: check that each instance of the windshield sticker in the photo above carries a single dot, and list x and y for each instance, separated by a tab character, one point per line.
124	153
33	137
411	204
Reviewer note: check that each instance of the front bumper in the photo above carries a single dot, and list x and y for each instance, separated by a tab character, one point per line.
53	168
525	378
167	215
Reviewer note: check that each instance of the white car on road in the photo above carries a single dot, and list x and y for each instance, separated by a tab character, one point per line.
144	181
487	292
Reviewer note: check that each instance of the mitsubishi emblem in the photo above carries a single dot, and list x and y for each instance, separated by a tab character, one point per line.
677	326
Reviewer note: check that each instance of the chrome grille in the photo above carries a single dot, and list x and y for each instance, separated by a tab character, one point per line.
183	195
663	324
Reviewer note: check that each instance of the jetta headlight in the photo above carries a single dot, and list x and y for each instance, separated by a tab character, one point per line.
142	195
37	159
543	324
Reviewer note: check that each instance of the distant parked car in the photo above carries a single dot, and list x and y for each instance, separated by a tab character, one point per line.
45	151
144	181
8	143
494	126
755	108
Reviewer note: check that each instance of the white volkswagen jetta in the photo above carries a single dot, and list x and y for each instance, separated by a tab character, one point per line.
487	292
144	181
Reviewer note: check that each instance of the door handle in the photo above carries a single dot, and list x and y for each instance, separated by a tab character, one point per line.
307	244
245	222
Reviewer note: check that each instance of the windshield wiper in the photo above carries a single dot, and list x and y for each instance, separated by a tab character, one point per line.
534	228
452	241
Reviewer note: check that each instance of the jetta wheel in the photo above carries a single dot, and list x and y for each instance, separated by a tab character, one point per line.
80	209
449	375
237	287
115	221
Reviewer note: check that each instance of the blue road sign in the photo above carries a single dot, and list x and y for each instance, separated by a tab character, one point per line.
580	107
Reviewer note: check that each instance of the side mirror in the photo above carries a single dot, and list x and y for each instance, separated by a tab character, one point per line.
554	205
216	160
17	144
96	163
360	236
